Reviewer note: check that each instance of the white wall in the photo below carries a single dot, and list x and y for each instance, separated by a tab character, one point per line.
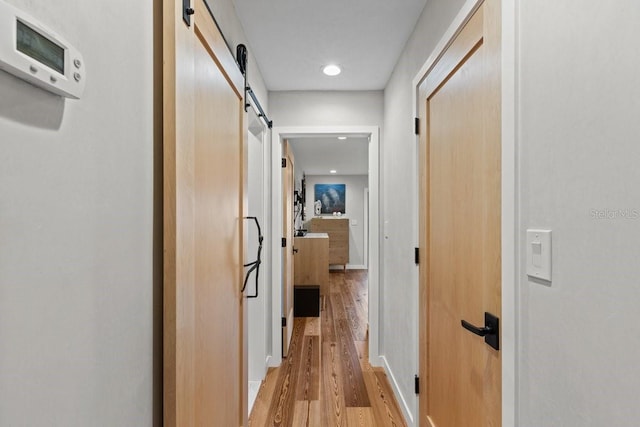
326	108
577	108
355	210
80	220
76	220
400	205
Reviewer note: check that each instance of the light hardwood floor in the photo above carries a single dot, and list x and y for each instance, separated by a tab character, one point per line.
326	379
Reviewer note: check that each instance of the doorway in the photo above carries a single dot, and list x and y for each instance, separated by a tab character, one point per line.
323	164
288	133
258	288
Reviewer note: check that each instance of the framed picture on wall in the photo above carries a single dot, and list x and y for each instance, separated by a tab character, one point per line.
329	199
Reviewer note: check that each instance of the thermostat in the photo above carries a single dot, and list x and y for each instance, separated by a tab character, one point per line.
35	53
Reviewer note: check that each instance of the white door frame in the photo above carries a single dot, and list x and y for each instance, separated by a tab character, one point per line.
281	133
365	257
259	314
510	239
260	131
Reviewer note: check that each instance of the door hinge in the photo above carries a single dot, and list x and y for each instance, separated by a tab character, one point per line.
417	126
187	11
284	162
284	322
416	256
284	242
417	384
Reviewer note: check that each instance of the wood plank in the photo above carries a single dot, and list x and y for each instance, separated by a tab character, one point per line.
353	382
332	387
312	327
383	404
336	349
355	391
260	410
339	312
357	322
362	349
300	413
337	280
358	290
315	414
326	319
282	405
391	407
308	387
376	395
361	417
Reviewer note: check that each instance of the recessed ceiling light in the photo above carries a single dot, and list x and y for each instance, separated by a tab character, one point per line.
333	171
342	137
331	70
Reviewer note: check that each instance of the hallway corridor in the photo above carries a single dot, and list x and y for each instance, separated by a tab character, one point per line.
326	380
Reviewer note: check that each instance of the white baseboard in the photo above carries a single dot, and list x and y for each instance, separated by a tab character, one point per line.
349	267
267	363
254	388
408	416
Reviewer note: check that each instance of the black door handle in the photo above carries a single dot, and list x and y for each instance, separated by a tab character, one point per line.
478	331
490	331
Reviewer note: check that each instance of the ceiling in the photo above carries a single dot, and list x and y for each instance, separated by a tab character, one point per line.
317	155
293	39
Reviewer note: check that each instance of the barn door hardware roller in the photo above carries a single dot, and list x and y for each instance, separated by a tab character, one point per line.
241	59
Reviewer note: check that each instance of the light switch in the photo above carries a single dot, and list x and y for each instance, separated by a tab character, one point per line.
536	257
354	222
539	254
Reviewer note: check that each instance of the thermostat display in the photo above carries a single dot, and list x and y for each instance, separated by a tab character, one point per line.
39	47
34	53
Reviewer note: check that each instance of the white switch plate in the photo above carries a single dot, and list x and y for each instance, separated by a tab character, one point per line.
539	254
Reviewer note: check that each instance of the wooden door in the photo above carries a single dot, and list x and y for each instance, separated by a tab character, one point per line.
460	227
204	203
287	251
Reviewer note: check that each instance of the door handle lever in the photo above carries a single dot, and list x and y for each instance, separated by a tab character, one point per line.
478	331
490	331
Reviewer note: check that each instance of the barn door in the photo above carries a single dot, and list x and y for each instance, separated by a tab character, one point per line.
204	203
